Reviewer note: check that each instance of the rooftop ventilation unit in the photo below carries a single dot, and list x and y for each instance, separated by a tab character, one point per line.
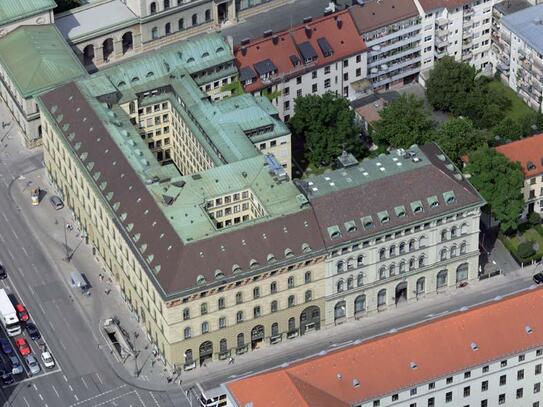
474	346
245	41
268	33
275	39
243	51
308	31
275	168
308	19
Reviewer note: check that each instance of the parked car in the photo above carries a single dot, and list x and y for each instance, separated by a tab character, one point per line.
22	313
6	346
7	378
32	330
16	367
47	360
538	277
3	273
22	346
56	202
33	364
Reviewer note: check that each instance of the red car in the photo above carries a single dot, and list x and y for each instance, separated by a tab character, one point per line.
22	346
22	313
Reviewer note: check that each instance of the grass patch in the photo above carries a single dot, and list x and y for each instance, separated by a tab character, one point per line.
533	234
518	108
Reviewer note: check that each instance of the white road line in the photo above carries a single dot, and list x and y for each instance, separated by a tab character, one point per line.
85	383
21	271
139	398
76	398
154	399
11	255
55	390
13	231
99	379
65	378
41	397
71	388
24	250
5	217
34	386
42	309
26	402
62	344
98	395
113	399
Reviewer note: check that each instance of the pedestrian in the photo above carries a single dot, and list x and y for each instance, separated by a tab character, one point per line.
230	360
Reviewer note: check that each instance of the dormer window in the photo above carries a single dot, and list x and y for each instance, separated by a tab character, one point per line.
416	207
367	221
433	202
350	226
334	232
383	217
399	211
530	165
449	197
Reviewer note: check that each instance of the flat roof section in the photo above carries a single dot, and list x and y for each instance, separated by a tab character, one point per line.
528	25
380	13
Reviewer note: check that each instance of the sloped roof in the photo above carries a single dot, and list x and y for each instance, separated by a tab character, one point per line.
527	151
37	58
337	29
383	365
13	10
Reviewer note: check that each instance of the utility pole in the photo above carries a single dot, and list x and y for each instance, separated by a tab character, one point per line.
67	258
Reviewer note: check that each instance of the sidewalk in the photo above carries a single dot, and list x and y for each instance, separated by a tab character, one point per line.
52	229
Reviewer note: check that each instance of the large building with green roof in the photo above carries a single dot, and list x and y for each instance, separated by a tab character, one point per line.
215	249
14	13
33	59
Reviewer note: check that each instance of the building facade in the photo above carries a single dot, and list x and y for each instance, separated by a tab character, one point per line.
322	55
13	14
454	361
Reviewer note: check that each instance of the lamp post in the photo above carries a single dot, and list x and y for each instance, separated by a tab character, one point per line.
67	258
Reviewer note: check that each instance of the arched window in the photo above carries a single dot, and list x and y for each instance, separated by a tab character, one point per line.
291	282
421	285
195	19
382	298
203	308
402	247
454	231
402	266
360	280
208	15
441	279
421	261
464	229
188	356
166	4
360	261
351	263
291	324
444	235
152	7
308	296
154	33
273	287
186	333
454	251
223	347
291	301
412	245
340	286
181	24
307	277
463	248
256	292
350	283
412	263
186	314
240	340
257	311
239	297
462	272
274	306
339	266
422	241
132	107
392	250
275	329
239	317
222	322
382	273
221	303
168	28
443	254
339	310
360	304
205	327
392	270
382	253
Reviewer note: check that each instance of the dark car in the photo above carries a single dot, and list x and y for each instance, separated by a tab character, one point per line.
3	273
538	277
7	378
6	346
33	332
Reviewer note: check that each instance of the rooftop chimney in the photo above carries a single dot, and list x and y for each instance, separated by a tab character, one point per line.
308	19
243	51
339	23
275	39
308	31
268	33
245	41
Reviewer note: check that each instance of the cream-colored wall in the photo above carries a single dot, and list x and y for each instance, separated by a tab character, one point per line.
45	17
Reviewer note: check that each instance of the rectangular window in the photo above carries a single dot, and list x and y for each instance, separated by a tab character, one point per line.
314	75
467	391
484	403
520	374
484	385
503	380
501	399
538	369
298	80
448	397
314	88
327	83
520	393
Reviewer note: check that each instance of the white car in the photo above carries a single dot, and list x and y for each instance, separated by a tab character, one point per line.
33	364
47	360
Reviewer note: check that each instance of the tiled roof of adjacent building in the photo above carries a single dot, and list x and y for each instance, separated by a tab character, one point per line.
528	152
37	58
163	213
380	13
528	25
395	362
511	6
300	49
13	10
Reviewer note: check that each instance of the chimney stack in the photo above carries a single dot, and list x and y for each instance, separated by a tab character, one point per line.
243	51
308	31
275	39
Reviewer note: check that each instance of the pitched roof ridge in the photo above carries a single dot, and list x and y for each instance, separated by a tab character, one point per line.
321	395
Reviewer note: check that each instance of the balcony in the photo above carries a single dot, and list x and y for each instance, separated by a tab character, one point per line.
397	76
467	24
467	33
440	43
466	45
442	22
394	34
387	68
396	44
468	12
393	56
440	52
466	55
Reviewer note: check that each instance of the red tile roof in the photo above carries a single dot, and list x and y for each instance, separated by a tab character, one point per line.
383	365
527	150
338	29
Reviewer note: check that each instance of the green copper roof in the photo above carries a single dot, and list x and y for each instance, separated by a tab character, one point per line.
13	10
37	59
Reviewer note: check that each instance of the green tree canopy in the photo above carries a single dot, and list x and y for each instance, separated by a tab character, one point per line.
500	182
404	122
508	129
327	126
458	136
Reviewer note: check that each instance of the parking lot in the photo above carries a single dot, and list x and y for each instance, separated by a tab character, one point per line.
10	354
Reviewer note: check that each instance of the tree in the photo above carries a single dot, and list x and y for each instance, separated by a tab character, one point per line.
63	5
404	122
508	129
500	182
327	126
458	136
449	83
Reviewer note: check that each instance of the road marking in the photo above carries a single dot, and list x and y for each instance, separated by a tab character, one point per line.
85	383
62	344
55	390
41	397
5	217
98	395
24	250
34	386
71	388
154	399
13	231
139	398
26	402
11	255
76	398
113	399
65	378
99	379
21	271
42	309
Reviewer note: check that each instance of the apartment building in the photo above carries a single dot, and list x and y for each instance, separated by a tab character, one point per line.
391	30
323	55
528	152
455	360
227	255
519	52
33	59
28	12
